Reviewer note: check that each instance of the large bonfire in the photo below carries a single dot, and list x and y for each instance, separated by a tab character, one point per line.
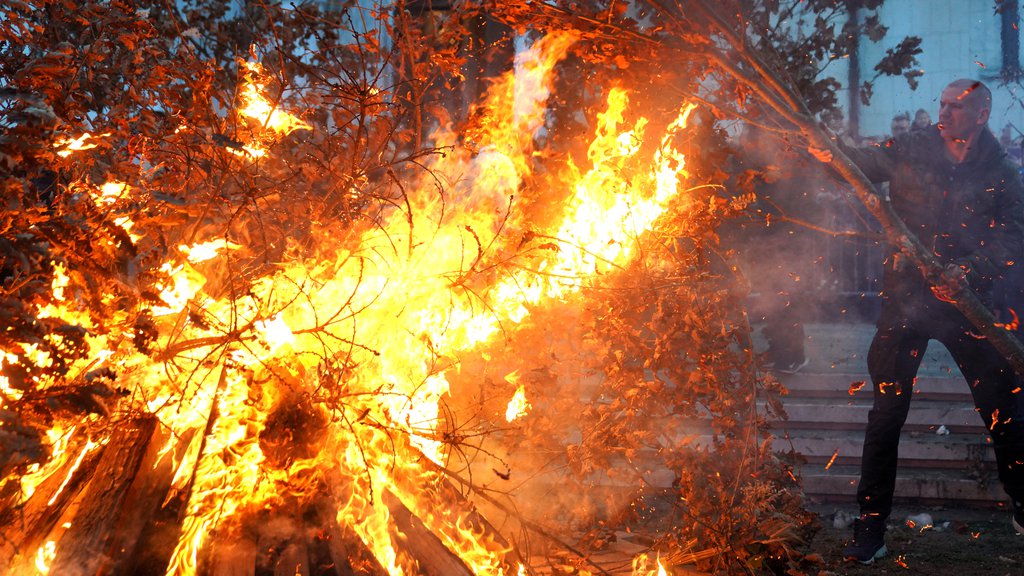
383	368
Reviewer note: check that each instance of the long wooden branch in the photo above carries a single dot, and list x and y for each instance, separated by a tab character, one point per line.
896	231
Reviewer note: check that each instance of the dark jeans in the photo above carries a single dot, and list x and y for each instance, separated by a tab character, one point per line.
893	361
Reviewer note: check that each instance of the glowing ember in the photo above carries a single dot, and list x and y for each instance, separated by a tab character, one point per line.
1013	324
832	460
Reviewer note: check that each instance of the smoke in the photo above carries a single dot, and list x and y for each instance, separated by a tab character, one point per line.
807	248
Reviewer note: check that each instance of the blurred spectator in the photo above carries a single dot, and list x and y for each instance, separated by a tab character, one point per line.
781	257
835	121
922	120
900	124
1010	144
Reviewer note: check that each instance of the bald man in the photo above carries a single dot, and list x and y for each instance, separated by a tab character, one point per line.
953	186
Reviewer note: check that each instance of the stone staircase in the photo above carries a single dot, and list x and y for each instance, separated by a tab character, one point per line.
945	452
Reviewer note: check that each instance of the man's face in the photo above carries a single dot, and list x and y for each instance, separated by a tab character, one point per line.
961	113
901	126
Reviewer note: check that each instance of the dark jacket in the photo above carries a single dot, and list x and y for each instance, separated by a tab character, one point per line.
971	213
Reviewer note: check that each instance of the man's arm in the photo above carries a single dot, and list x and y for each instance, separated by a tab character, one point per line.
1006	249
876	162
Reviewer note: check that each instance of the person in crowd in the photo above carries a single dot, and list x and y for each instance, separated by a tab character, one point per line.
1010	144
900	124
835	121
922	120
953	186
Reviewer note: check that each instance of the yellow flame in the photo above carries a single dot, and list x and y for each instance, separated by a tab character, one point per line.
68	145
45	555
111	192
248	151
7	392
204	251
642	566
518	406
255	104
185	284
59	281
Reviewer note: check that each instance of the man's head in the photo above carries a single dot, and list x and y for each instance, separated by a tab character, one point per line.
922	119
964	109
900	124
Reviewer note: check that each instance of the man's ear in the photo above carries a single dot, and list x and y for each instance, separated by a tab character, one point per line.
983	115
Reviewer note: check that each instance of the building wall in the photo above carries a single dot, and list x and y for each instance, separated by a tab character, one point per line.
960	39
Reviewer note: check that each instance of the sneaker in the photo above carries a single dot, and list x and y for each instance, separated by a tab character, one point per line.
793	367
868	542
1018	520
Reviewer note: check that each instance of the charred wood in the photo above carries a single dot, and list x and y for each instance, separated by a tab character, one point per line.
348	555
418	542
105	527
142	505
445	495
159	536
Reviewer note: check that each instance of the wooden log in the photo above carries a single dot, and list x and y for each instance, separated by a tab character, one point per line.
416	541
156	542
348	555
94	541
24	528
142	503
444	495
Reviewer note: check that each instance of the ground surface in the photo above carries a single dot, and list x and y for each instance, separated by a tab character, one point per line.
974	542
962	542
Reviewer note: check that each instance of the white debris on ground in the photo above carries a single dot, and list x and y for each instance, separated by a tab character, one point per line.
920	521
942	431
842	519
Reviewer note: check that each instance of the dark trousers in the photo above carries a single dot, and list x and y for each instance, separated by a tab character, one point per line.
893	361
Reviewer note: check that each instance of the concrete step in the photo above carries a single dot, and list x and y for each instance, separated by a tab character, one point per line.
839	483
852	414
827	409
857	385
825	449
